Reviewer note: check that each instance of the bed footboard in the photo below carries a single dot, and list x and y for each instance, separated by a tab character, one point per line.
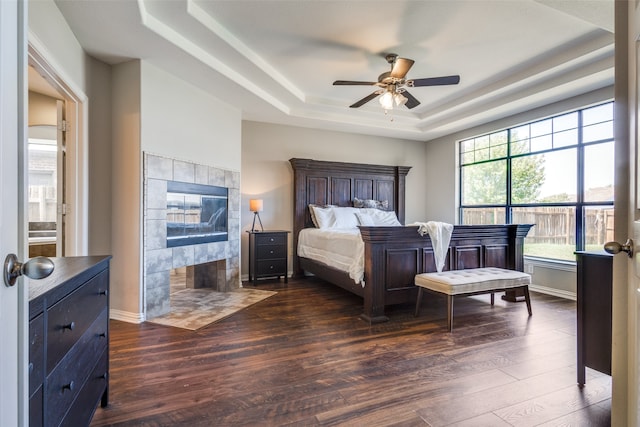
394	255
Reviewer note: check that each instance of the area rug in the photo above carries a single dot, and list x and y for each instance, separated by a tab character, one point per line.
196	308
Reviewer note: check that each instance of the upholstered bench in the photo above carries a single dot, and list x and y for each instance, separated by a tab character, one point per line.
471	281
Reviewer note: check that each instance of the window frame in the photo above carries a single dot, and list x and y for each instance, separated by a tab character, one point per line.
580	205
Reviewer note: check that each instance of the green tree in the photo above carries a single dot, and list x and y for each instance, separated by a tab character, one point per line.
486	183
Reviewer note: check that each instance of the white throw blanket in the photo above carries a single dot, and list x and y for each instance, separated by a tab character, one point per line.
440	234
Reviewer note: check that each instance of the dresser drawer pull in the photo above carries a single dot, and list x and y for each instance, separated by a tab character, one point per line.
104	292
69	386
271	252
272	239
102	335
70	326
271	267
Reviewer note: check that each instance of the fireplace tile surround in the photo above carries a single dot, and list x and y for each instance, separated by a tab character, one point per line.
160	260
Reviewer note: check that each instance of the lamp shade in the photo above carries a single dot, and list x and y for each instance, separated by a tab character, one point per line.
386	100
255	205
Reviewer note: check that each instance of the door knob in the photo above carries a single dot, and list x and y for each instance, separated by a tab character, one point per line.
36	268
615	247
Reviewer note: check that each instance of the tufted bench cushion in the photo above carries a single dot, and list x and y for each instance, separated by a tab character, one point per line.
471	282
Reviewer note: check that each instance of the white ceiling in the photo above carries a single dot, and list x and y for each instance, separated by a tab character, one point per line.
276	60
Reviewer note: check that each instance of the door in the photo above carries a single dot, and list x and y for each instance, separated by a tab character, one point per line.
13	323
626	274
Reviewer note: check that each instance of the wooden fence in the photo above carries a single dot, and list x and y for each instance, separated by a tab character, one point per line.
554	225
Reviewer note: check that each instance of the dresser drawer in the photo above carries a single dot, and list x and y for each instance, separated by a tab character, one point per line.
68	378
36	353
271	239
83	408
275	267
35	409
69	319
271	251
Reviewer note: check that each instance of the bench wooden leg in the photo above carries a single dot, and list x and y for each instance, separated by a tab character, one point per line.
450	312
527	298
418	302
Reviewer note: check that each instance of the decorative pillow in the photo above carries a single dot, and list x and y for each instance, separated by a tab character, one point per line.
370	203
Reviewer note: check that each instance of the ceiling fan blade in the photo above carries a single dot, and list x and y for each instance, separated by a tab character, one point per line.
352	83
435	81
400	67
364	100
412	102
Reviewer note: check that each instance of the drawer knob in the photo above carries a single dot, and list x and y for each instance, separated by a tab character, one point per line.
271	267
70	326
69	386
271	252
105	292
271	239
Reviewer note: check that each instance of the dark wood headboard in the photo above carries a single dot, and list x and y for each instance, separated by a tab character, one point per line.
338	183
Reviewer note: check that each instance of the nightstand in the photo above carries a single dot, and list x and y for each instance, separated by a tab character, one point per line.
268	254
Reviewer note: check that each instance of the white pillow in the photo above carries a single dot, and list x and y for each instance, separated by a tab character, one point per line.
324	217
382	217
345	217
365	219
313	214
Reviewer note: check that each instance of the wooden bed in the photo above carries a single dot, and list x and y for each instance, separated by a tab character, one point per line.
393	255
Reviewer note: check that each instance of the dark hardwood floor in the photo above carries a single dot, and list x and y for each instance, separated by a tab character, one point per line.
303	358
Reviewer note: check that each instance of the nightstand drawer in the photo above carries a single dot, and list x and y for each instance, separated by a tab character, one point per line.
271	252
275	267
271	239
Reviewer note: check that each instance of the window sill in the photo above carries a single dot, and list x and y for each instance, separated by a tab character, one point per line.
552	264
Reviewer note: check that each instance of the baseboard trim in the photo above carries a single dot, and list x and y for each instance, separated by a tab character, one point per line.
126	316
555	292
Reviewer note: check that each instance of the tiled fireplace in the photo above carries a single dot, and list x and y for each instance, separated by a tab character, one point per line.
215	263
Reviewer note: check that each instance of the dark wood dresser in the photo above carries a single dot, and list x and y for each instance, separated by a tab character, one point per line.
268	254
69	342
595	271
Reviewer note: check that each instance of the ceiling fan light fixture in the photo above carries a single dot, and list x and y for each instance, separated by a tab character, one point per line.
386	100
400	99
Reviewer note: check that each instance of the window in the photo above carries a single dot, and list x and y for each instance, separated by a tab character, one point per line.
556	173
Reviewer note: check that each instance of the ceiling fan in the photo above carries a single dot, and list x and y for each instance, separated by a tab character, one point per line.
393	84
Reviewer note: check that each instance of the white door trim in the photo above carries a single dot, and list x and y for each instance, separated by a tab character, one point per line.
77	174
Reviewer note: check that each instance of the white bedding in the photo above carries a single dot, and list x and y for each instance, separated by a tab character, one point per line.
342	249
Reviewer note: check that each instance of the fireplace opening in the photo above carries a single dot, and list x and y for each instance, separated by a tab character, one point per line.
177	279
196	213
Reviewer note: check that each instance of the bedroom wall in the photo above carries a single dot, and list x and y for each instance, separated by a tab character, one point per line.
267	174
100	164
181	121
126	271
441	166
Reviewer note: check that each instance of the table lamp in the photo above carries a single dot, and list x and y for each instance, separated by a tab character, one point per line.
255	206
